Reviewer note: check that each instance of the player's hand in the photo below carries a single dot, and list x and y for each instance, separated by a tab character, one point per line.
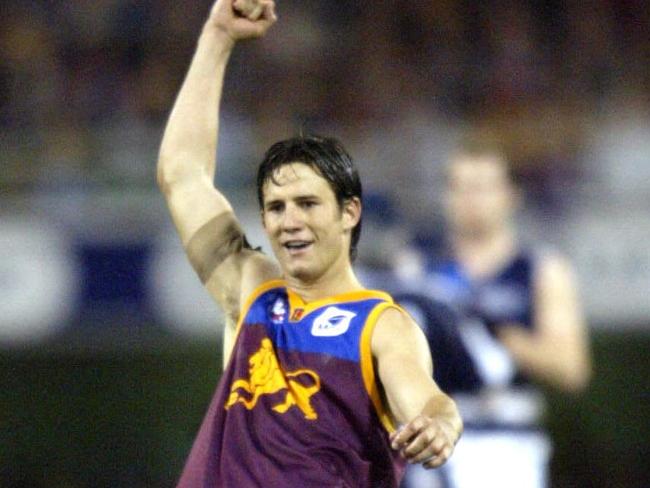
251	9
242	19
425	440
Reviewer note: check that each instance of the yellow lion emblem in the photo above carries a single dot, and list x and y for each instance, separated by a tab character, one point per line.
266	378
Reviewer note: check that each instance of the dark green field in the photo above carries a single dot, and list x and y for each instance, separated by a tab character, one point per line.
125	416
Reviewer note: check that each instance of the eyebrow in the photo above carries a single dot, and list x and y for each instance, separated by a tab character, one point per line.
299	198
270	203
307	197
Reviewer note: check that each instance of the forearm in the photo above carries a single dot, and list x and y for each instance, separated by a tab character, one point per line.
189	143
444	409
561	364
431	424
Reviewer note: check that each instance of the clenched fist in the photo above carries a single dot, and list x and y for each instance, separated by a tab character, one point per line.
251	9
242	19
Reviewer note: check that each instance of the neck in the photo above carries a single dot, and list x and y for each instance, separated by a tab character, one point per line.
483	253
333	282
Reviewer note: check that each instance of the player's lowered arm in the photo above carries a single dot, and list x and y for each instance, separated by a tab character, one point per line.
430	422
556	352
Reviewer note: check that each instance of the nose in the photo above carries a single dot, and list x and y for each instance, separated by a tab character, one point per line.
292	220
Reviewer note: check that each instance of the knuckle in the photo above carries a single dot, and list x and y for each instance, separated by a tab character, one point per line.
410	427
428	436
414	447
431	463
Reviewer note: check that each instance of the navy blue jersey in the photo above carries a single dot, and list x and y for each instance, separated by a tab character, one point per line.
506	297
460	315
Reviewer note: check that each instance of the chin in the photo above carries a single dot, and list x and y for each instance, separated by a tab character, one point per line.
302	273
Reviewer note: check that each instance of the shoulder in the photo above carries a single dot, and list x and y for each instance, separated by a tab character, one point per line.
394	316
541	255
554	278
398	340
258	268
258	271
394	325
544	262
552	266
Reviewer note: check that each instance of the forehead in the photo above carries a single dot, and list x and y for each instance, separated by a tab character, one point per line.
483	168
294	179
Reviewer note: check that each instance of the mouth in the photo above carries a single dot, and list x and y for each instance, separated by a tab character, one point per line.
296	246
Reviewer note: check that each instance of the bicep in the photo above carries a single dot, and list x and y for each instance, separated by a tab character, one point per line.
192	204
404	364
215	243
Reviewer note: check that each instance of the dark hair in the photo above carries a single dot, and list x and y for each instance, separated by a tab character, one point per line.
327	157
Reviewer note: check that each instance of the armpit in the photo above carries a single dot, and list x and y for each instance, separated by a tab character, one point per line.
219	238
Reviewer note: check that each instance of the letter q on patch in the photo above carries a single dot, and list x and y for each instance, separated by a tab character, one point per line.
332	322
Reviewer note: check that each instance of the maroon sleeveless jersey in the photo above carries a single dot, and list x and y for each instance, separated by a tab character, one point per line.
298	405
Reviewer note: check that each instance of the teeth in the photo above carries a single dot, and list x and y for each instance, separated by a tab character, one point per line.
296	245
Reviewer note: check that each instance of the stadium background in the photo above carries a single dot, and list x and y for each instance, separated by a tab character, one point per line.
109	350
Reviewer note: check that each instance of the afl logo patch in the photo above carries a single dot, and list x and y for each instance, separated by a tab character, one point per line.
332	322
278	312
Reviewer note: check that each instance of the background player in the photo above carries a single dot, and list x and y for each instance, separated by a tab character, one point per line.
294	408
519	320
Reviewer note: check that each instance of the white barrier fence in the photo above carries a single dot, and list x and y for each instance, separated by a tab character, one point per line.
42	279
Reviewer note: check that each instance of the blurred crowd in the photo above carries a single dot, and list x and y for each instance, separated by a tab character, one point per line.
564	86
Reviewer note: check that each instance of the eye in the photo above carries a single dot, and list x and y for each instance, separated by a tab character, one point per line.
274	207
308	203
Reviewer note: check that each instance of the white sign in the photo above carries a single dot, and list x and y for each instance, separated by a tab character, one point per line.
38	280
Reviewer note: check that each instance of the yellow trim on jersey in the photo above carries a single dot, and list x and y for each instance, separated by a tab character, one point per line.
296	301
255	294
367	366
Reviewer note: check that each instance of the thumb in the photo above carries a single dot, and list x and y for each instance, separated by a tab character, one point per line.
268	11
256	28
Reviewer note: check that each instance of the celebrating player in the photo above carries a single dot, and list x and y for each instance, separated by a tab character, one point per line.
320	371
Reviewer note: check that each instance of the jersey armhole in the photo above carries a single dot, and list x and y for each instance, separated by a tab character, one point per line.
255	294
370	380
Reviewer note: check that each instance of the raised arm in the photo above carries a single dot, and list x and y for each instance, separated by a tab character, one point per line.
205	221
431	424
557	350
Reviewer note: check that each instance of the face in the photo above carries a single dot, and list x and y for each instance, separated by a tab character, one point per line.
480	196
309	232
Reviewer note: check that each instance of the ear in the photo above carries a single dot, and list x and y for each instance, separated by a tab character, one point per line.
351	213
